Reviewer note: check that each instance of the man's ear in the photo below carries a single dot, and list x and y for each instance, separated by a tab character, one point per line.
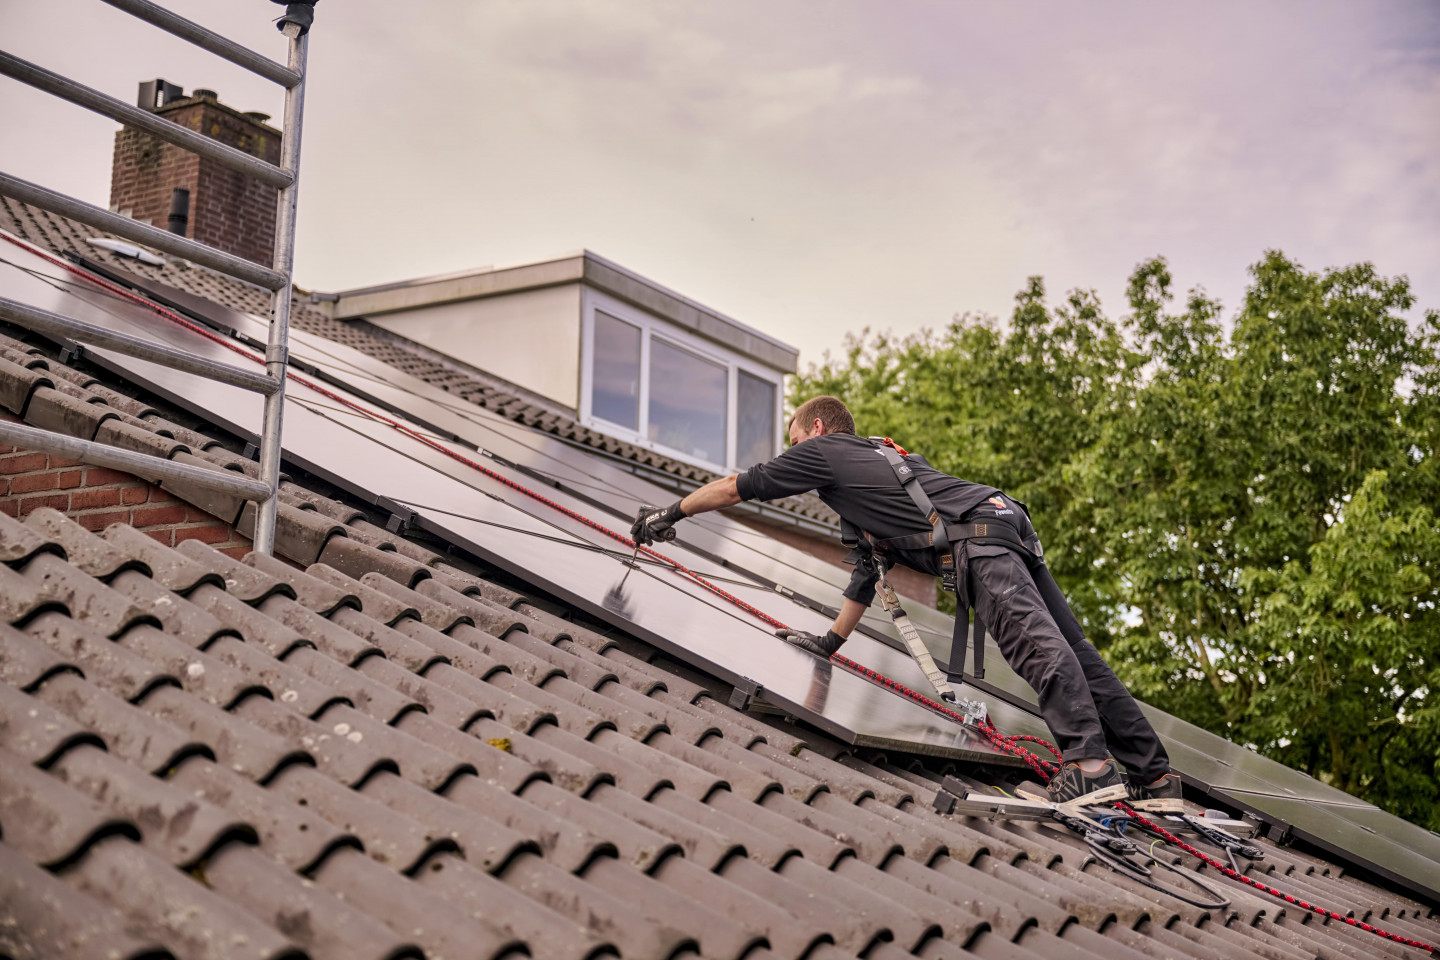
817	428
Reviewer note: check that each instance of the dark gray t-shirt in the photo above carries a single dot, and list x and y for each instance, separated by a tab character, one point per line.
851	475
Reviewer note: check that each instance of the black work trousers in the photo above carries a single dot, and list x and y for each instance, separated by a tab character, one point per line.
1085	705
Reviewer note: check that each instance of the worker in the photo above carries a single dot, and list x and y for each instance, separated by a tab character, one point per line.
1088	710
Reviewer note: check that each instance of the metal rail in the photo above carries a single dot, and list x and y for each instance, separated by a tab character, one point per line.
265	491
106	105
142	233
277	351
158	16
141	464
54	326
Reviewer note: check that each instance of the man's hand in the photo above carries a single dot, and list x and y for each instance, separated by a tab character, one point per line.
652	524
822	647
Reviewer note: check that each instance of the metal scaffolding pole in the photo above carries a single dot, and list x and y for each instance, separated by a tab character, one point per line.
277	352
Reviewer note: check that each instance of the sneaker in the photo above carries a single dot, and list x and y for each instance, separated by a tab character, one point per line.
1162	796
1073	786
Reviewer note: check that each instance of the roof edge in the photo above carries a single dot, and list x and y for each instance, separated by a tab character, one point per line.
583	267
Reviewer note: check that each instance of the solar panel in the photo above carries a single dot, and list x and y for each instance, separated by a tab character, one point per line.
1366	835
325	435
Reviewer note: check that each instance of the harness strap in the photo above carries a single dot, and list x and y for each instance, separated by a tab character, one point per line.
936	539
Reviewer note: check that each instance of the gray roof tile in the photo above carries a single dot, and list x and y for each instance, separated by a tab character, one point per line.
19	542
294	835
172	823
104	662
169	568
170	905
244	583
309	916
126	730
42	917
47	581
441	928
312	592
48	821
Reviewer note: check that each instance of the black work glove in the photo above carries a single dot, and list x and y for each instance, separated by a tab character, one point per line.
653	524
822	647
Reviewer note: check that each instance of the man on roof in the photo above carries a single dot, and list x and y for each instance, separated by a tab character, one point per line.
1088	710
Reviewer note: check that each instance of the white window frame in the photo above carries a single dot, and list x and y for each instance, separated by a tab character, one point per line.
650	327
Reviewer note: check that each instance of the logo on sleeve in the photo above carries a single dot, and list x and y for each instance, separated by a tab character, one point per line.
1001	507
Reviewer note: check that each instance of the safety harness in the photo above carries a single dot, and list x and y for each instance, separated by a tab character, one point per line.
944	540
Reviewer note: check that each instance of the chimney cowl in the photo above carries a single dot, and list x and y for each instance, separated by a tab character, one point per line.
155	94
257	116
205	94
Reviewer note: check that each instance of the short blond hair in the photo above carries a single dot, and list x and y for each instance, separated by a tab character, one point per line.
830	411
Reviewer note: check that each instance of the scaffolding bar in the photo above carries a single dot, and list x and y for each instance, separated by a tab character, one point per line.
144	465
220	46
67	89
57	327
277	352
137	232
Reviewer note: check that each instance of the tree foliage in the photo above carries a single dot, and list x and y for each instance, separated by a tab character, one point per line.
1241	509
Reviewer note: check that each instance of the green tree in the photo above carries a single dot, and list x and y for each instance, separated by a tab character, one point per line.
1241	517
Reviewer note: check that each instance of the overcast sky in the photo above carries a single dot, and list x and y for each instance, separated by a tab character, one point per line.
809	168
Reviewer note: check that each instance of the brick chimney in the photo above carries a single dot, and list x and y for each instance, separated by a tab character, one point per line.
227	209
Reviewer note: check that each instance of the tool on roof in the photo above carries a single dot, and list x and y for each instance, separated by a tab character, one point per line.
1101	827
1225	840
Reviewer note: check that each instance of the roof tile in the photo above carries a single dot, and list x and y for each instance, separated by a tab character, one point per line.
294	835
169	568
45	917
243	582
390	837
173	824
311	917
445	931
104	662
20	542
48	821
126	730
356	559
167	903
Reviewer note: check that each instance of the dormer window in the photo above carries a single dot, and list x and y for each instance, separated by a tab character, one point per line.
693	399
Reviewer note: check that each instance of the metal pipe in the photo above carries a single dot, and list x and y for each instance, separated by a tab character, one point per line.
141	464
137	232
56	325
179	217
208	39
277	352
77	93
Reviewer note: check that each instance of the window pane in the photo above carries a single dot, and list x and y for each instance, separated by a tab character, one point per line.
615	385
687	402
755	416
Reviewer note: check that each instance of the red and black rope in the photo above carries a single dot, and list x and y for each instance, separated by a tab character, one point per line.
1288	898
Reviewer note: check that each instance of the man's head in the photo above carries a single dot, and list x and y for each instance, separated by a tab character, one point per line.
820	415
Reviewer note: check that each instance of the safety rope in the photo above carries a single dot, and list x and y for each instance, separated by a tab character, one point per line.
1010	745
1288	898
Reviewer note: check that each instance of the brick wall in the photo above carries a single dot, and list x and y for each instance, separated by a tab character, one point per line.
227	209
96	497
